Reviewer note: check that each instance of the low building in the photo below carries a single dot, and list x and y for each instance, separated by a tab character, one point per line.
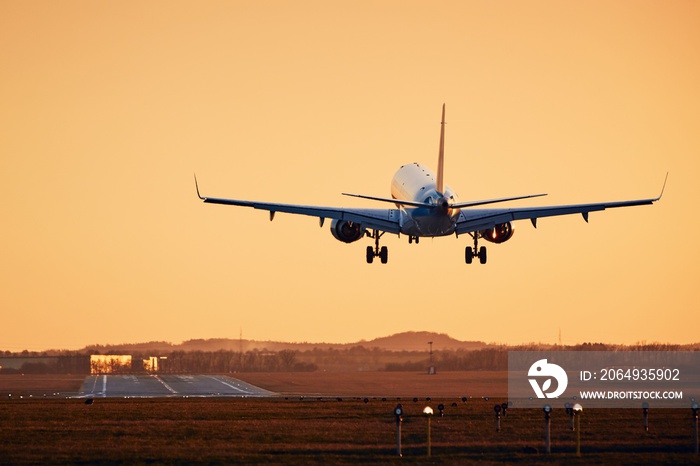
109	363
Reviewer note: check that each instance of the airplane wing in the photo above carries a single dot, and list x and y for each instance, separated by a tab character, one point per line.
470	220
481	219
388	220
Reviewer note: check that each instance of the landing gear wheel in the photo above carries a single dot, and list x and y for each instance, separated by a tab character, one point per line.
384	254
468	254
372	252
471	252
482	254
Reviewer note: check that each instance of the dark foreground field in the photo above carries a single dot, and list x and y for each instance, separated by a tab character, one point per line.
329	430
220	431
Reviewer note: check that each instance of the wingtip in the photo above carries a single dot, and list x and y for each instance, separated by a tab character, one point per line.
196	185
663	188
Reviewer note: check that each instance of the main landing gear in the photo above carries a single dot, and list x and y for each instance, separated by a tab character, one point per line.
470	253
376	251
383	252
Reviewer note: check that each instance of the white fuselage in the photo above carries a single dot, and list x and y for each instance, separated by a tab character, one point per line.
415	182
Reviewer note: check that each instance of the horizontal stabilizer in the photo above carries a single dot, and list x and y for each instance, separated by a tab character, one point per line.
493	201
393	201
459	205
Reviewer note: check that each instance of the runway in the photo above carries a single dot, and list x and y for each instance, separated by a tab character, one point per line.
154	386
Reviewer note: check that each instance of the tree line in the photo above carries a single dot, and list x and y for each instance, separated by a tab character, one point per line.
357	358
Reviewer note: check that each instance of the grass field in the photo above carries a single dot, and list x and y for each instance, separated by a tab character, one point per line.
406	384
324	430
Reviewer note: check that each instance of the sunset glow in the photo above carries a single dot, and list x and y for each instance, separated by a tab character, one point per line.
108	109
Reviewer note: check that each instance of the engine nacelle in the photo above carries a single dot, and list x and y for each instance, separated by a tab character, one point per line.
498	234
347	232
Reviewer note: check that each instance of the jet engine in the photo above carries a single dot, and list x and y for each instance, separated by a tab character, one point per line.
498	234
347	232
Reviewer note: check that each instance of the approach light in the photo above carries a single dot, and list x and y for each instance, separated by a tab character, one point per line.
498	409
645	411
577	409
428	411
547	428
504	408
398	412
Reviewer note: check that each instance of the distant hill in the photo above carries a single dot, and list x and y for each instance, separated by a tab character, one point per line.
418	341
406	341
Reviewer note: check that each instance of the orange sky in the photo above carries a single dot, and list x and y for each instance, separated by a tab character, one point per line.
109	107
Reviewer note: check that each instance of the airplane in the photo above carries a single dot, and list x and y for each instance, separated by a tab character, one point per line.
426	207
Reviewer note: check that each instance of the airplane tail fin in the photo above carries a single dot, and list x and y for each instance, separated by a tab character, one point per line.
441	155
